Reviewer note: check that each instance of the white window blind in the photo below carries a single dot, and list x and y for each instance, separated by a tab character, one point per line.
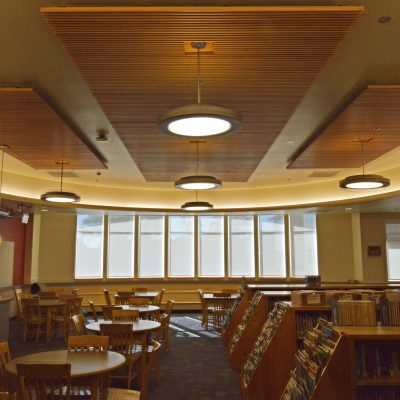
393	251
241	246
151	247
303	243
272	246
120	246
181	246
211	246
89	247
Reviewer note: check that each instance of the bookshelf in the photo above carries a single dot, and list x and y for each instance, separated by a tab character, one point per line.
247	331
270	375
363	366
229	330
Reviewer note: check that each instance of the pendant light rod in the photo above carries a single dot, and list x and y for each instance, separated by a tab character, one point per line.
198	46
362	156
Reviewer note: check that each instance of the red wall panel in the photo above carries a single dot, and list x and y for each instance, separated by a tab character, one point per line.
12	230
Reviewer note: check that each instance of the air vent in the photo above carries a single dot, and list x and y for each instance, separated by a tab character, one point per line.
323	174
67	174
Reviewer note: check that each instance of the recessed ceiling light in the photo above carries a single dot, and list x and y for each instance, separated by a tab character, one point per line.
102	136
348	209
384	19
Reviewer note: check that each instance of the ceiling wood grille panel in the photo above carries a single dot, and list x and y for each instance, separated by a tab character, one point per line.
37	136
264	61
374	114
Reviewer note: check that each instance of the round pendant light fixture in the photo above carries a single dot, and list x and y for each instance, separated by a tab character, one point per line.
60	196
197	206
199	120
364	181
198	182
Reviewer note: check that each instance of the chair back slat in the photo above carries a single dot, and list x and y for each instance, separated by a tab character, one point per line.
121	337
30	308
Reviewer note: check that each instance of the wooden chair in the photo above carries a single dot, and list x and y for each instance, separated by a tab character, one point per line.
33	320
138	302
122	298
122	394
204	308
124	341
4	359
163	335
222	303
44	381
140	290
107	311
48	295
78	322
93	309
72	307
151	368
107	297
82	387
17	294
124	315
157	301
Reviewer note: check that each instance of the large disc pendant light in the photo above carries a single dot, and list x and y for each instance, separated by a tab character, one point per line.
197	205
198	182
60	196
199	120
364	181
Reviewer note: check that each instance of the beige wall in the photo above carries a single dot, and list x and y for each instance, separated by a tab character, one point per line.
335	247
373	234
57	247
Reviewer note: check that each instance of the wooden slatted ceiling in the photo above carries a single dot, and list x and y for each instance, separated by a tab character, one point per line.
374	114
265	59
37	136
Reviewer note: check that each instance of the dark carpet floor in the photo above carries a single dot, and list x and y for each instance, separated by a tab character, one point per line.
196	368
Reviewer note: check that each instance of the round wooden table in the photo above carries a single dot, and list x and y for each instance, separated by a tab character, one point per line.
94	364
141	325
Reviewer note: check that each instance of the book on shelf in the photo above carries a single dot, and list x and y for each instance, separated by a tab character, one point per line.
261	344
354	312
319	343
377	360
307	320
245	320
390	308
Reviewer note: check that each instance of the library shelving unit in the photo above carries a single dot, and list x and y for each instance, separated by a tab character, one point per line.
272	296
270	376
235	319
247	331
363	366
